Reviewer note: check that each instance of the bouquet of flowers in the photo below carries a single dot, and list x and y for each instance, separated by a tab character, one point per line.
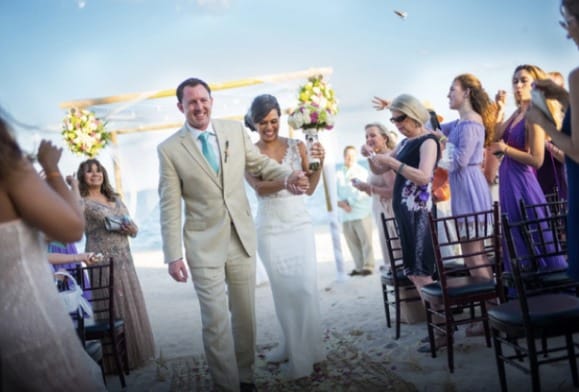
317	106
84	133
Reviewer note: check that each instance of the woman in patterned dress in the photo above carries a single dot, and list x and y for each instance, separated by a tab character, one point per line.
100	201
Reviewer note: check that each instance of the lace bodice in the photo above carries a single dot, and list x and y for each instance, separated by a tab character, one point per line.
291	159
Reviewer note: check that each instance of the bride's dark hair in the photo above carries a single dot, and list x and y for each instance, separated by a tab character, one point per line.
260	107
10	152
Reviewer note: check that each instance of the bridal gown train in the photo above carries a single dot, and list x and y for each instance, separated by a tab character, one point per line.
287	248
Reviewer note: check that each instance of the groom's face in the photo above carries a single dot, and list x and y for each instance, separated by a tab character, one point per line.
196	106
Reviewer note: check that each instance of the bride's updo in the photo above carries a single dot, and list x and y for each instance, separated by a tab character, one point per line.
260	107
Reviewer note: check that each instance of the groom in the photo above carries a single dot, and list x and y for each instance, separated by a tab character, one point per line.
203	164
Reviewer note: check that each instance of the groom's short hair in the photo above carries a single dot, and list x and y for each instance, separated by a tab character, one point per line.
191	82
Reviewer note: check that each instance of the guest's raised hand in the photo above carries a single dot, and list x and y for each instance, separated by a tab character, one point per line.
48	156
501	99
367	151
379	103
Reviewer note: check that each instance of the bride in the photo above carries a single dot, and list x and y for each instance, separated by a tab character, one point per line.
286	242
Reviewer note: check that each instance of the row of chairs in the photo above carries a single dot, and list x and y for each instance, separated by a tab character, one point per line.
103	329
461	288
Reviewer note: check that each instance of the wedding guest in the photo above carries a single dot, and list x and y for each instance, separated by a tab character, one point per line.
356	213
522	146
379	186
413	161
203	165
464	151
100	202
568	138
286	242
34	322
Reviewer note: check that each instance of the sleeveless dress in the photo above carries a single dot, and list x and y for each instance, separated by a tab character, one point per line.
573	212
39	348
287	248
411	204
518	181
468	186
128	296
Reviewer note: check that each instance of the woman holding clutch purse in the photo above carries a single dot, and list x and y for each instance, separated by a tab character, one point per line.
108	228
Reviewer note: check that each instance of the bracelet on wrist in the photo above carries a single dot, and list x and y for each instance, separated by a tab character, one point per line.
52	174
443	139
505	150
399	171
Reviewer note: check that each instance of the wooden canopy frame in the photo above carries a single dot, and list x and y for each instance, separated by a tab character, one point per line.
134	98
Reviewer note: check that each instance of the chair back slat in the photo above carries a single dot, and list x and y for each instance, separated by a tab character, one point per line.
542	231
392	234
463	229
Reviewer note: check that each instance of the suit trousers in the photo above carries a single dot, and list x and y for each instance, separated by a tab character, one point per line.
358	234
228	316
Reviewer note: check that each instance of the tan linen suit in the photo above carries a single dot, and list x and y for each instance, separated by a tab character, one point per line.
219	238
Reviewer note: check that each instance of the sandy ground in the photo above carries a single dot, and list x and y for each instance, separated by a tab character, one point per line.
352	307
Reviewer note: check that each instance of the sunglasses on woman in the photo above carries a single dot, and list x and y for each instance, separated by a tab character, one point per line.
398	119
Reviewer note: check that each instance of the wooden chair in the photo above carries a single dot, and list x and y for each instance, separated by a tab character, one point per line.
452	293
105	327
394	281
93	347
542	310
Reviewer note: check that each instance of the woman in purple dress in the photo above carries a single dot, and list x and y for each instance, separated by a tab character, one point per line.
522	146
467	138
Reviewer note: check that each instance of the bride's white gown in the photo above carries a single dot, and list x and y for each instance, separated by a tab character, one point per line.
287	248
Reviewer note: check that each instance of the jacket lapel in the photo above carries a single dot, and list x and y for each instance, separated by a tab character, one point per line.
195	152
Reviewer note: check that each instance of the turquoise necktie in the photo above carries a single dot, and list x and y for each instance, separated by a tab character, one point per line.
208	151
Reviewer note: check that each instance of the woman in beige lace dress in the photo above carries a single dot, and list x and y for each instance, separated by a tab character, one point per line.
100	201
39	348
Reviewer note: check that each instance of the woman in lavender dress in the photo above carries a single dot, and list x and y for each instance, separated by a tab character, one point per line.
522	145
464	152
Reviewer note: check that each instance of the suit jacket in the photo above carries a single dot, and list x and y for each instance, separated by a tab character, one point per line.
215	203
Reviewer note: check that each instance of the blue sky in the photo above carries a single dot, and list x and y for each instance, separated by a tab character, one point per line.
60	50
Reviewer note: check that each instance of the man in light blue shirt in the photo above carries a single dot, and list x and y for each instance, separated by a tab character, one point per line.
356	213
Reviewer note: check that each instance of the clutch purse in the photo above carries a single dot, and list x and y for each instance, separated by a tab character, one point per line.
113	223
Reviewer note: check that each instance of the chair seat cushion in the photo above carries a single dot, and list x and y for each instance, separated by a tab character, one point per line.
544	310
102	327
94	349
460	286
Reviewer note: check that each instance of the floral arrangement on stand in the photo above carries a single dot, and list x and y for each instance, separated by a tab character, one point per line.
84	133
317	106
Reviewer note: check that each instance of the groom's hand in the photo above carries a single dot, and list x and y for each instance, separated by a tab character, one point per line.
298	183
178	271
